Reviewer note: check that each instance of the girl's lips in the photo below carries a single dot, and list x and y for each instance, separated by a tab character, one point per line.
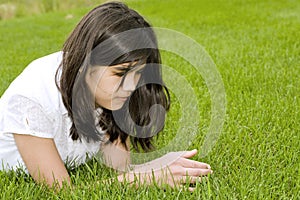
123	98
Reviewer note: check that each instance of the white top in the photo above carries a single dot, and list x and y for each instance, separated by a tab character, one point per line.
33	105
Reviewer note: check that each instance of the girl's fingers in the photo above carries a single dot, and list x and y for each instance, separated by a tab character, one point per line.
193	164
192	179
189	154
196	172
192	189
187	179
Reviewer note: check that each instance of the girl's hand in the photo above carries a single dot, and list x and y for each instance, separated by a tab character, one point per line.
180	170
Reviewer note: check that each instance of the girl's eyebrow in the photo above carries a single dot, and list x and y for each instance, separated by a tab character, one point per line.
129	67
124	66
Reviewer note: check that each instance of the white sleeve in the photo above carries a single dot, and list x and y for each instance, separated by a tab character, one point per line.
24	116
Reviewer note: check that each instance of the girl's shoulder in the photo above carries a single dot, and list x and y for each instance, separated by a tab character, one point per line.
44	65
37	82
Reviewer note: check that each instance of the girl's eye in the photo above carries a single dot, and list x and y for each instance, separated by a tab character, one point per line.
122	73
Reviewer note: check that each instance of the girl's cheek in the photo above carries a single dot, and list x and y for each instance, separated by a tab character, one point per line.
109	84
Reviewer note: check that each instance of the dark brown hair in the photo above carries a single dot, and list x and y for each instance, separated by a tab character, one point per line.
94	42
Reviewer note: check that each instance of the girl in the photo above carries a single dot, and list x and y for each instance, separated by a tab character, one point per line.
96	95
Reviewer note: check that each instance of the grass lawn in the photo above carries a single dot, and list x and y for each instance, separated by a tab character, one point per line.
256	48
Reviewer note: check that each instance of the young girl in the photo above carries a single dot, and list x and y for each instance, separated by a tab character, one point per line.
96	95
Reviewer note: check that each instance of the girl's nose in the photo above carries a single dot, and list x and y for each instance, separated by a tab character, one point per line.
130	82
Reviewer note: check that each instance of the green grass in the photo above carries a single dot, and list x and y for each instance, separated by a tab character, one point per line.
256	47
20	8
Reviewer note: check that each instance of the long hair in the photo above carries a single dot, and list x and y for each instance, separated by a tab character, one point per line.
98	40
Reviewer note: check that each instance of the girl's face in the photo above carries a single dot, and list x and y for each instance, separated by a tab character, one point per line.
112	85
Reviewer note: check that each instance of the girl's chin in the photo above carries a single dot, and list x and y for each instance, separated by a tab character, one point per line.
116	105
